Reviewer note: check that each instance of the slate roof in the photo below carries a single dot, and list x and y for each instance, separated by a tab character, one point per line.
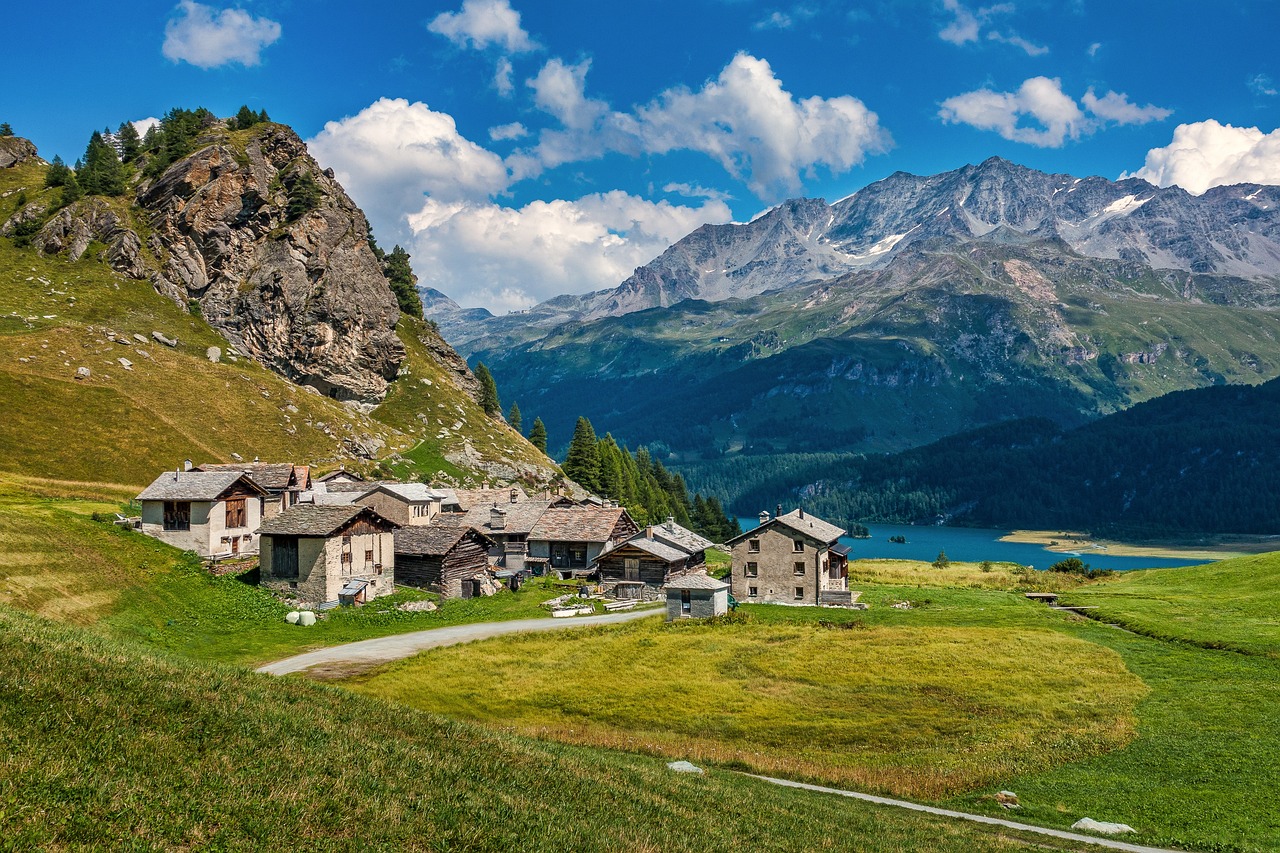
577	524
469	499
410	492
272	476
680	537
521	517
696	581
661	550
339	473
808	525
312	520
434	540
333	498
194	485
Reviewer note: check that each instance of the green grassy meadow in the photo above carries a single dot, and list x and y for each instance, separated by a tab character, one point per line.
110	746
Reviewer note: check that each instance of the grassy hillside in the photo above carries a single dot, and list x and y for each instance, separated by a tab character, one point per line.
123	425
107	745
1205	719
1231	604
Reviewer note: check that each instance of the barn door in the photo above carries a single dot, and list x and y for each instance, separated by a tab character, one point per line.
284	557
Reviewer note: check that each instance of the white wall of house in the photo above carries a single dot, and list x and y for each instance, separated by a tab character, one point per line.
209	535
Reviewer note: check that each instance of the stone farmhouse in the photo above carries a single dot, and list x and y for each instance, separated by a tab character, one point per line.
791	559
328	553
214	513
568	539
407	504
638	567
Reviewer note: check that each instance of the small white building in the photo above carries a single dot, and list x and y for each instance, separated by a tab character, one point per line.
214	513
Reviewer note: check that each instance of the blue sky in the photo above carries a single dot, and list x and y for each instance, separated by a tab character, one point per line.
522	149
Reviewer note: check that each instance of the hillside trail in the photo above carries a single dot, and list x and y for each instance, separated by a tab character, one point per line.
353	658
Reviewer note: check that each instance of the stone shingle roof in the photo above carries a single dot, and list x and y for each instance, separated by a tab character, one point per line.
470	499
577	524
520	517
680	537
434	540
194	485
696	581
410	492
312	520
661	550
272	476
806	524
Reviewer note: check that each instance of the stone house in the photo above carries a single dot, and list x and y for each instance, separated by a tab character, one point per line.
284	482
569	539
214	513
407	504
791	559
342	475
449	558
696	596
507	526
328	553
639	566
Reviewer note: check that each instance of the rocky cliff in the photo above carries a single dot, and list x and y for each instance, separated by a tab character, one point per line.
295	287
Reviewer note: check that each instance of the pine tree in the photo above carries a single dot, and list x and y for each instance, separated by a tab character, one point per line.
488	390
102	172
245	119
71	190
304	195
582	464
538	435
5	129
58	173
130	142
404	284
513	417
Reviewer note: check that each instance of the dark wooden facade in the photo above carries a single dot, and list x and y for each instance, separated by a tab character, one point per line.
445	560
630	563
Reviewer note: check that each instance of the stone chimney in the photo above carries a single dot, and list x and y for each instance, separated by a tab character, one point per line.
648	532
801	511
671	523
497	518
778	514
764	517
514	494
186	465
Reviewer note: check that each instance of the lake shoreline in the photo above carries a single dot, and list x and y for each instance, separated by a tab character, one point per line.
1075	542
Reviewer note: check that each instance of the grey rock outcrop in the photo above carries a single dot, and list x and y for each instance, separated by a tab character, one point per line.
15	150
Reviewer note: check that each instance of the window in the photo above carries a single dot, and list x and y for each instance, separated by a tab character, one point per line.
753	591
346	558
799	570
799	593
753	546
798	546
236	516
177	515
753	570
368	557
685	601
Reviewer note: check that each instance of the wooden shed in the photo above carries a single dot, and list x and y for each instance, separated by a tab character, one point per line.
446	558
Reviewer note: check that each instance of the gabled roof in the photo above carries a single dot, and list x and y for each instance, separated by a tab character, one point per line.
520	517
696	581
434	540
312	520
578	524
272	476
797	521
341	472
333	498
661	550
679	537
196	485
469	499
408	492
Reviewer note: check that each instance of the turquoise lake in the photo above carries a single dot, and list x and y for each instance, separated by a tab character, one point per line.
971	544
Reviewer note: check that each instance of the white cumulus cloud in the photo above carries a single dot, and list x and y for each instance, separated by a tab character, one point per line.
744	119
514	130
968	25
207	37
142	125
484	23
1207	154
1040	113
506	258
393	153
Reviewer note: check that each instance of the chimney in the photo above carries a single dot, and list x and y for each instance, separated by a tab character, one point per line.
513	495
671	523
778	514
764	517
801	511
186	465
255	460
497	518
648	532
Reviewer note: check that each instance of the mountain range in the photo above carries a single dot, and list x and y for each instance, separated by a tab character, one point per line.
913	309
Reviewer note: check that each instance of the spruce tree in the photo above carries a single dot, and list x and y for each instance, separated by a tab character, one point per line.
404	284
245	119
582	464
513	417
130	142
488	390
5	129
58	173
538	435
102	172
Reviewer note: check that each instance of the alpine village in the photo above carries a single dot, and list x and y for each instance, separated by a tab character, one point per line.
941	517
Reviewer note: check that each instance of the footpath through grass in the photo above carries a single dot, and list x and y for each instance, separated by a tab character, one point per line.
107	745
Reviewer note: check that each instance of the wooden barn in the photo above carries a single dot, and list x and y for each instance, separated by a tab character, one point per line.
451	559
651	558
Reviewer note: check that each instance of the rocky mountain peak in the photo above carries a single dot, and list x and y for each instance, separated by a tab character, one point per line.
15	150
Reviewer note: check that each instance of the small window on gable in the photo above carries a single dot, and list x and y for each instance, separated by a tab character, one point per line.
798	546
753	546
